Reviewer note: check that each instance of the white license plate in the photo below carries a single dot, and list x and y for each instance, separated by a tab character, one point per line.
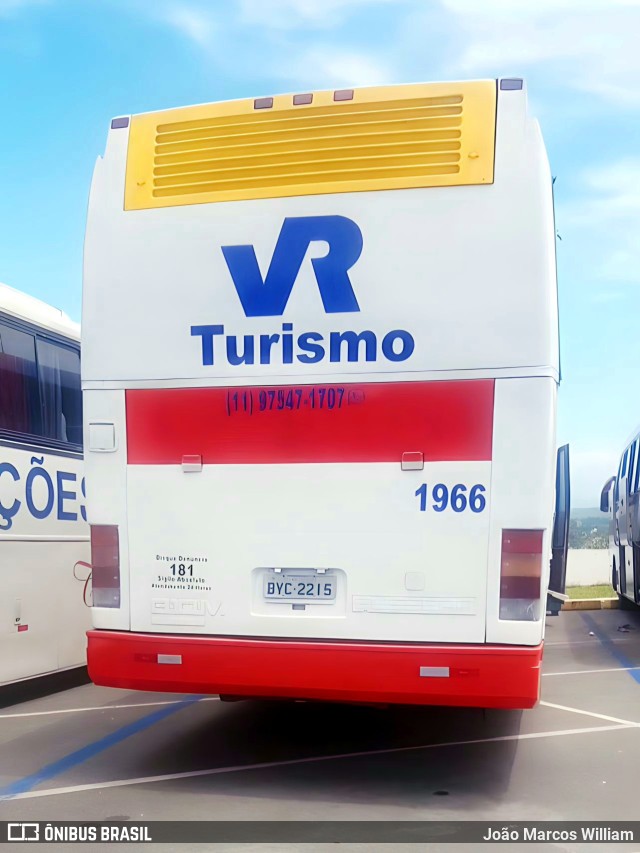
279	586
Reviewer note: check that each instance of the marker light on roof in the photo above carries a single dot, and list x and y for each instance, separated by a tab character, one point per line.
511	84
302	99
123	121
343	95
262	103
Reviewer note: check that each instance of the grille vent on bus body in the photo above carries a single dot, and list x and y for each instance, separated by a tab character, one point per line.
383	143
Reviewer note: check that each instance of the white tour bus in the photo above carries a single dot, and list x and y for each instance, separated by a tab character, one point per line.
320	368
43	529
621	499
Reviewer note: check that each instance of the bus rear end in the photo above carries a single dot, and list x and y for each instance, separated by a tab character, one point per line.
320	375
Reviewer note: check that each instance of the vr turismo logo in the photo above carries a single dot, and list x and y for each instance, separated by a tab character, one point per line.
268	297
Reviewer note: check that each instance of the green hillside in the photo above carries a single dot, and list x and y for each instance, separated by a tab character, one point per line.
587	512
588	528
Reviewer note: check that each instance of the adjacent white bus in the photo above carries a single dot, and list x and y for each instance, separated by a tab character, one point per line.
621	499
320	370
43	530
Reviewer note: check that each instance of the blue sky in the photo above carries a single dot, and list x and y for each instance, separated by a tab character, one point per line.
68	66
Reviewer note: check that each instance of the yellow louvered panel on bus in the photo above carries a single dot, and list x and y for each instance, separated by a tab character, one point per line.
391	137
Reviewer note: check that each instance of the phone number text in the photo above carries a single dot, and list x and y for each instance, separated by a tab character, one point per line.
250	401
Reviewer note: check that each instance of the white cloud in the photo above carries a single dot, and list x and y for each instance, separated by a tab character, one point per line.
590	469
604	297
589	44
620	266
291	14
275	51
521	9
324	67
579	45
9	7
610	195
618	185
193	23
607	212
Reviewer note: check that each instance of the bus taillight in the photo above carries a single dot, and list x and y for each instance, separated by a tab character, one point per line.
520	574
105	565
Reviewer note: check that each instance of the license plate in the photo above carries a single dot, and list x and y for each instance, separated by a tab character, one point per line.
279	586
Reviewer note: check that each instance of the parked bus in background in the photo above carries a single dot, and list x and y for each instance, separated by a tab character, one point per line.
43	530
621	499
320	368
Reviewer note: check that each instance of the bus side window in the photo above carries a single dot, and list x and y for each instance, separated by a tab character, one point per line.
19	398
631	468
616	491
636	479
59	375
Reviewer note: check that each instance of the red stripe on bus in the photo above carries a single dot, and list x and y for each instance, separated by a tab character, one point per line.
346	422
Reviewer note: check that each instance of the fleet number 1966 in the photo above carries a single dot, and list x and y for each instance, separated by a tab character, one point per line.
460	498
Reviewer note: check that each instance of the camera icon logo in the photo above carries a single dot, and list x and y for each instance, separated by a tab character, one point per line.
23	832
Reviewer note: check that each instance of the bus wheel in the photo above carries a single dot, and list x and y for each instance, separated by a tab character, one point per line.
625	603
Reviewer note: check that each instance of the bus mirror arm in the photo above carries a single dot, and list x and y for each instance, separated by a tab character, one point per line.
559	595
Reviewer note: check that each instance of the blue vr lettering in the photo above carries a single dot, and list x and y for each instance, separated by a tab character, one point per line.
268	297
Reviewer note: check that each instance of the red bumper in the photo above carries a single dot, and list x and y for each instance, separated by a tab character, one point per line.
480	676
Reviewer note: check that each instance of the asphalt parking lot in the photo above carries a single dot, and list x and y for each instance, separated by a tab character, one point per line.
92	753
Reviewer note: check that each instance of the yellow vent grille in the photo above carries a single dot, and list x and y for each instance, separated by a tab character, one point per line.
421	135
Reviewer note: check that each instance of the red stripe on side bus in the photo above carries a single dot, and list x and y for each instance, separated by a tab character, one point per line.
354	422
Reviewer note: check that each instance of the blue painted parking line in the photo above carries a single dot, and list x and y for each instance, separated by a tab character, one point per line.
28	783
615	652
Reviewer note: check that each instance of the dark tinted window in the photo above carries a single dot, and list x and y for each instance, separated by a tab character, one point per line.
40	396
19	396
59	373
631	471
